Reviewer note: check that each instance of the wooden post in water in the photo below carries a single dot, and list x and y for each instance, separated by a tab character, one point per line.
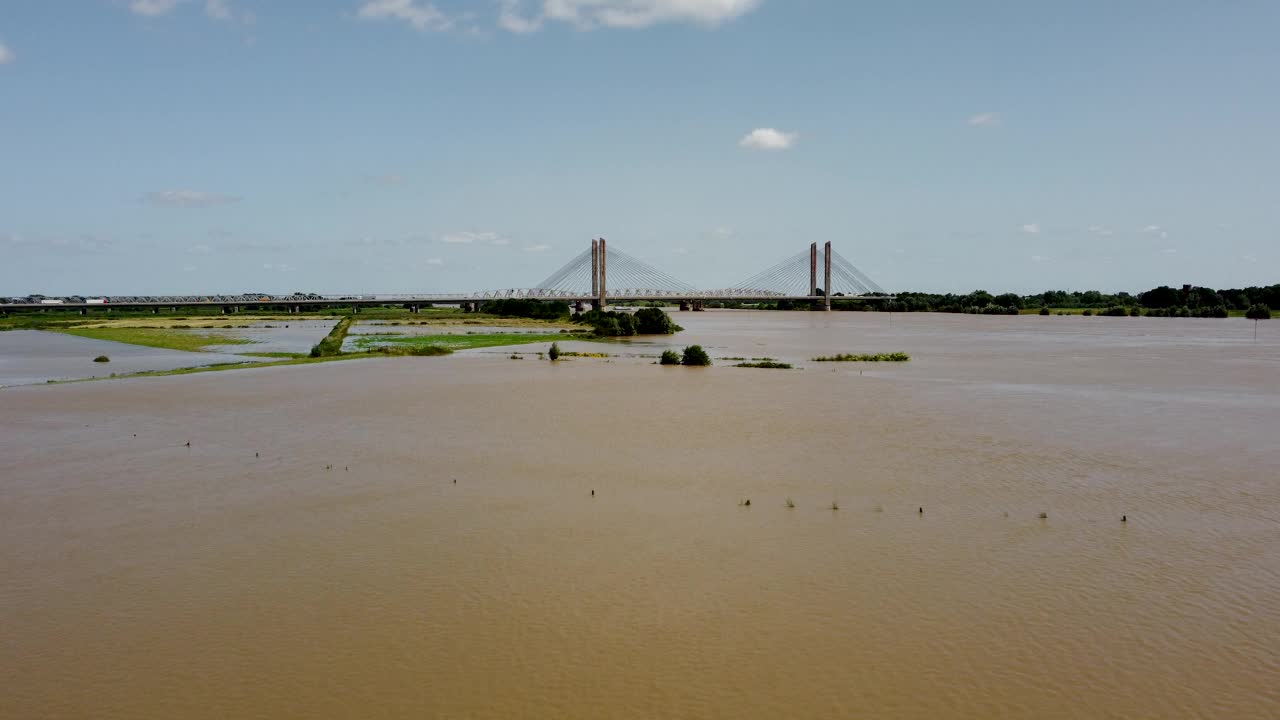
826	281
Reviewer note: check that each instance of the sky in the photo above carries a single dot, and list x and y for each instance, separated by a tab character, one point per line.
333	146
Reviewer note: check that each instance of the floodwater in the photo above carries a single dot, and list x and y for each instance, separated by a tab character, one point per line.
310	555
35	356
295	336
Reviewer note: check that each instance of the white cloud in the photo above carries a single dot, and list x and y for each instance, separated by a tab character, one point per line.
1100	230
187	198
537	248
421	16
1031	228
632	14
6	55
511	19
467	238
985	119
767	139
1155	230
152	8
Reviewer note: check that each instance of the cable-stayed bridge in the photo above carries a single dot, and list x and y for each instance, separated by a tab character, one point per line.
598	276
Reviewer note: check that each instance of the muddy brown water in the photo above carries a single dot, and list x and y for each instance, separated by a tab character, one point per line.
146	579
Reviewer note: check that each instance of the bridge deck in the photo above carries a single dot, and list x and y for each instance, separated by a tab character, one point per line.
419	300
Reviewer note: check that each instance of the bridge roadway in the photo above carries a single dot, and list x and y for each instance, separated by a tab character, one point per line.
413	302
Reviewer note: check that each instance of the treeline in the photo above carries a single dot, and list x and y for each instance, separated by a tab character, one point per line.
1161	301
536	309
646	321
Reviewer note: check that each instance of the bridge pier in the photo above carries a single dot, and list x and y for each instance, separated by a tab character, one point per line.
826	282
685	306
603	274
813	269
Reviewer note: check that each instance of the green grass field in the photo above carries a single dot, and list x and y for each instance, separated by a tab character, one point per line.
167	339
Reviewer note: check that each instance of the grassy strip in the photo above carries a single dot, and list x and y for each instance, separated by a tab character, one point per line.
156	338
571	353
878	357
331	345
766	364
277	355
457	342
219	367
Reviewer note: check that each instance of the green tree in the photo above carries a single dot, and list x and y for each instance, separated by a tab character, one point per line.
977	298
696	356
554	352
669	357
1258	312
1161	297
1007	300
653	321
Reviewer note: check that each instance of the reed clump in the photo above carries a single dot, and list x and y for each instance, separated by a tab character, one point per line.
870	357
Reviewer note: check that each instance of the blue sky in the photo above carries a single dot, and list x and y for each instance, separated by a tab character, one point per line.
407	145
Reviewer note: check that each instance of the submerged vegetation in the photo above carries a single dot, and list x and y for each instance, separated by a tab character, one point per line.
102	359
669	357
771	364
456	342
877	357
554	352
414	350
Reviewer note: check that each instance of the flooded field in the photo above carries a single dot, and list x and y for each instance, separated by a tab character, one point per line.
295	336
29	357
311	555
